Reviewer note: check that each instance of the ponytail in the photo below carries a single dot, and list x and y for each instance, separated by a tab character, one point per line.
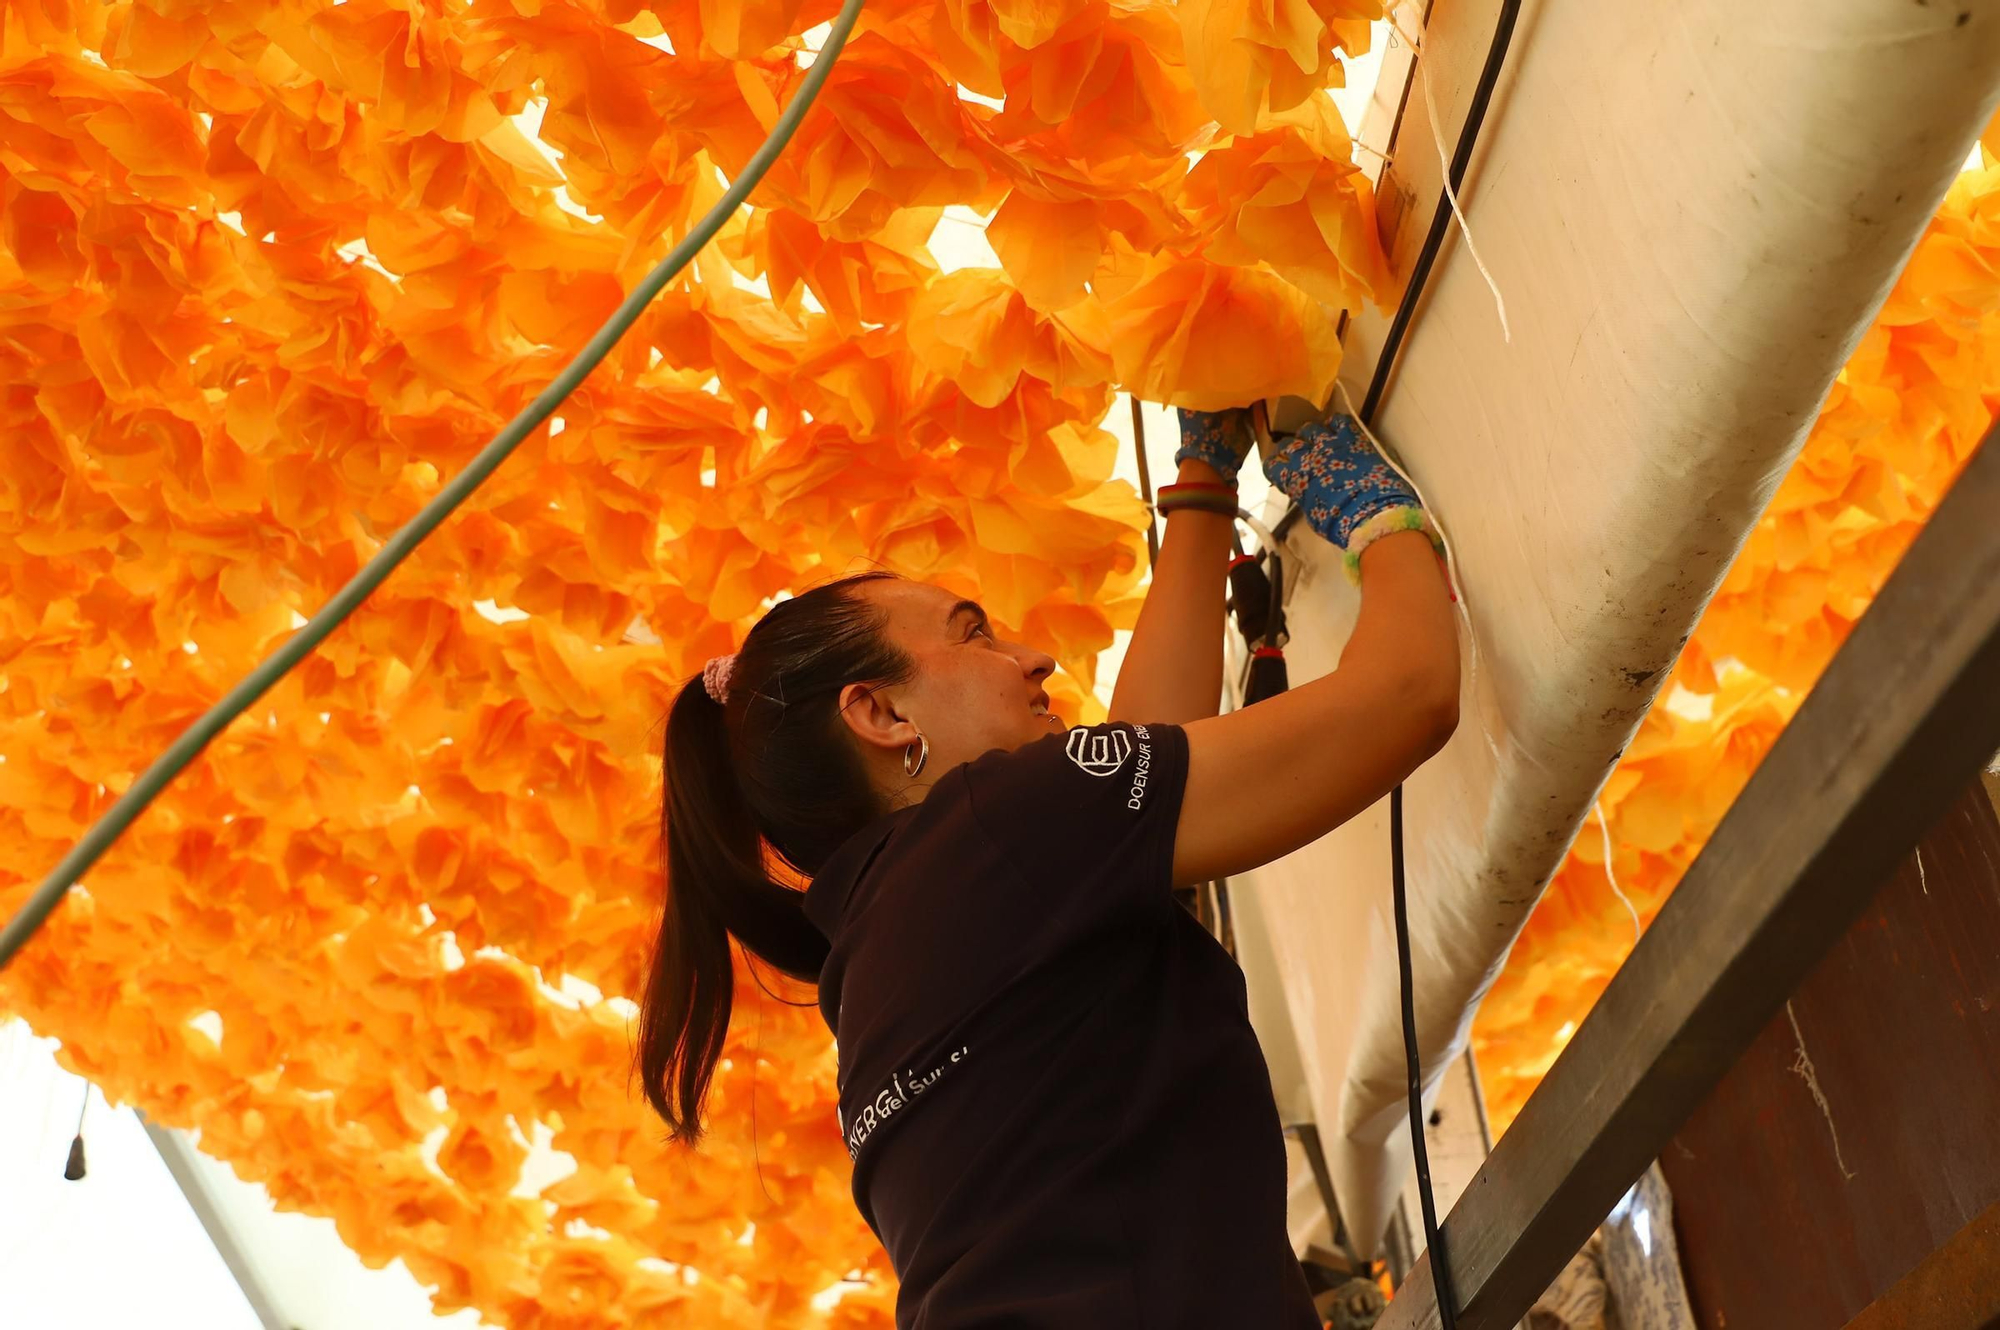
770	769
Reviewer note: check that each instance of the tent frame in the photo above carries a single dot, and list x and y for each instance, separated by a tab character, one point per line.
178	1153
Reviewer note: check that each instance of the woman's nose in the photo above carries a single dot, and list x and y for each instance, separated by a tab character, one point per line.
1037	665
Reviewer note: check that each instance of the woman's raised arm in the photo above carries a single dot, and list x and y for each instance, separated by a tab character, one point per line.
1172	672
1269	778
1272	777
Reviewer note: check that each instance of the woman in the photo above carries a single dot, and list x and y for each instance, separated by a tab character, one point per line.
1058	1114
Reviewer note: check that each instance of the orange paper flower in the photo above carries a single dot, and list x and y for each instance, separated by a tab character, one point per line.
270	274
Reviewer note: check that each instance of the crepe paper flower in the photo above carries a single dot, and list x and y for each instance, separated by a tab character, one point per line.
1247	56
1292	197
1208	337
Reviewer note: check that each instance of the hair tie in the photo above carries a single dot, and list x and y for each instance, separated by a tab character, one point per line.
715	677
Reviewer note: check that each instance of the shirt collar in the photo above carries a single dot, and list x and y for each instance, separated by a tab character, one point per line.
827	896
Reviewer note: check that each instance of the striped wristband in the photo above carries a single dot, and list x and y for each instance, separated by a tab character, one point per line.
1203	496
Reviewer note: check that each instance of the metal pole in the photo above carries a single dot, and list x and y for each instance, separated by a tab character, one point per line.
178	1155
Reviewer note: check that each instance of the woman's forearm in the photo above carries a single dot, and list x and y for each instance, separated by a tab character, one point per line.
1270	778
1172	673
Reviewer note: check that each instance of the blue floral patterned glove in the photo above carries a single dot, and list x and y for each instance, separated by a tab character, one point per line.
1344	489
1219	438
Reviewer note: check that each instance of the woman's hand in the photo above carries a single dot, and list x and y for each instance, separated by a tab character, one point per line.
1219	439
1345	490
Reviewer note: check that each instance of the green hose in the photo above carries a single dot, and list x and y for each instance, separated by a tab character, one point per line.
196	737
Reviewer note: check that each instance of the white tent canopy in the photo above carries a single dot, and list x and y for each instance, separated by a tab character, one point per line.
1693	211
124	1246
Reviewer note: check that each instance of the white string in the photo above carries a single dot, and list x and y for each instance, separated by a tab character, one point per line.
1450	563
1611	876
1444	167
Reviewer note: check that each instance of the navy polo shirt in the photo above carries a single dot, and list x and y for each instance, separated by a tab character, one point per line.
1058	1114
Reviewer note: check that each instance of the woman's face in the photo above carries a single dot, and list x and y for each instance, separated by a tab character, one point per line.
971	693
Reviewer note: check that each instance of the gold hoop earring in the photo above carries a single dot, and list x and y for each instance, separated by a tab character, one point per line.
922	750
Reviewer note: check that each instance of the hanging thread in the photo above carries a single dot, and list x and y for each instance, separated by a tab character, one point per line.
1451	195
1450	562
1611	876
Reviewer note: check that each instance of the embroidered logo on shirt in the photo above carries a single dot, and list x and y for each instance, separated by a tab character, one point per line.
1143	772
1100	752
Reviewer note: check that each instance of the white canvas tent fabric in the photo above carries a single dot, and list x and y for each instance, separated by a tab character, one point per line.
1693	211
123	1246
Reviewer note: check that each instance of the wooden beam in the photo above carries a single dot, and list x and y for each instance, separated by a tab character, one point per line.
1409	186
1956	1288
1905	715
1848	1197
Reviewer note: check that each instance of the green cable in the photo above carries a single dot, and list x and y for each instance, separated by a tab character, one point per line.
196	737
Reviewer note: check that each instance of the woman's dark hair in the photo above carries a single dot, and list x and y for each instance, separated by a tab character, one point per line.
772	766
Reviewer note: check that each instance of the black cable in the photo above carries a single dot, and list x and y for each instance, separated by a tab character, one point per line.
1378	384
1276	631
1447	1295
1461	160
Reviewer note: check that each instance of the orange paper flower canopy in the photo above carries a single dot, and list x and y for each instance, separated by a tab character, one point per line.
1903	418
270	271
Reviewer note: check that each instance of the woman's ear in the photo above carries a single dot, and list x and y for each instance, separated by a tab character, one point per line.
871	717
